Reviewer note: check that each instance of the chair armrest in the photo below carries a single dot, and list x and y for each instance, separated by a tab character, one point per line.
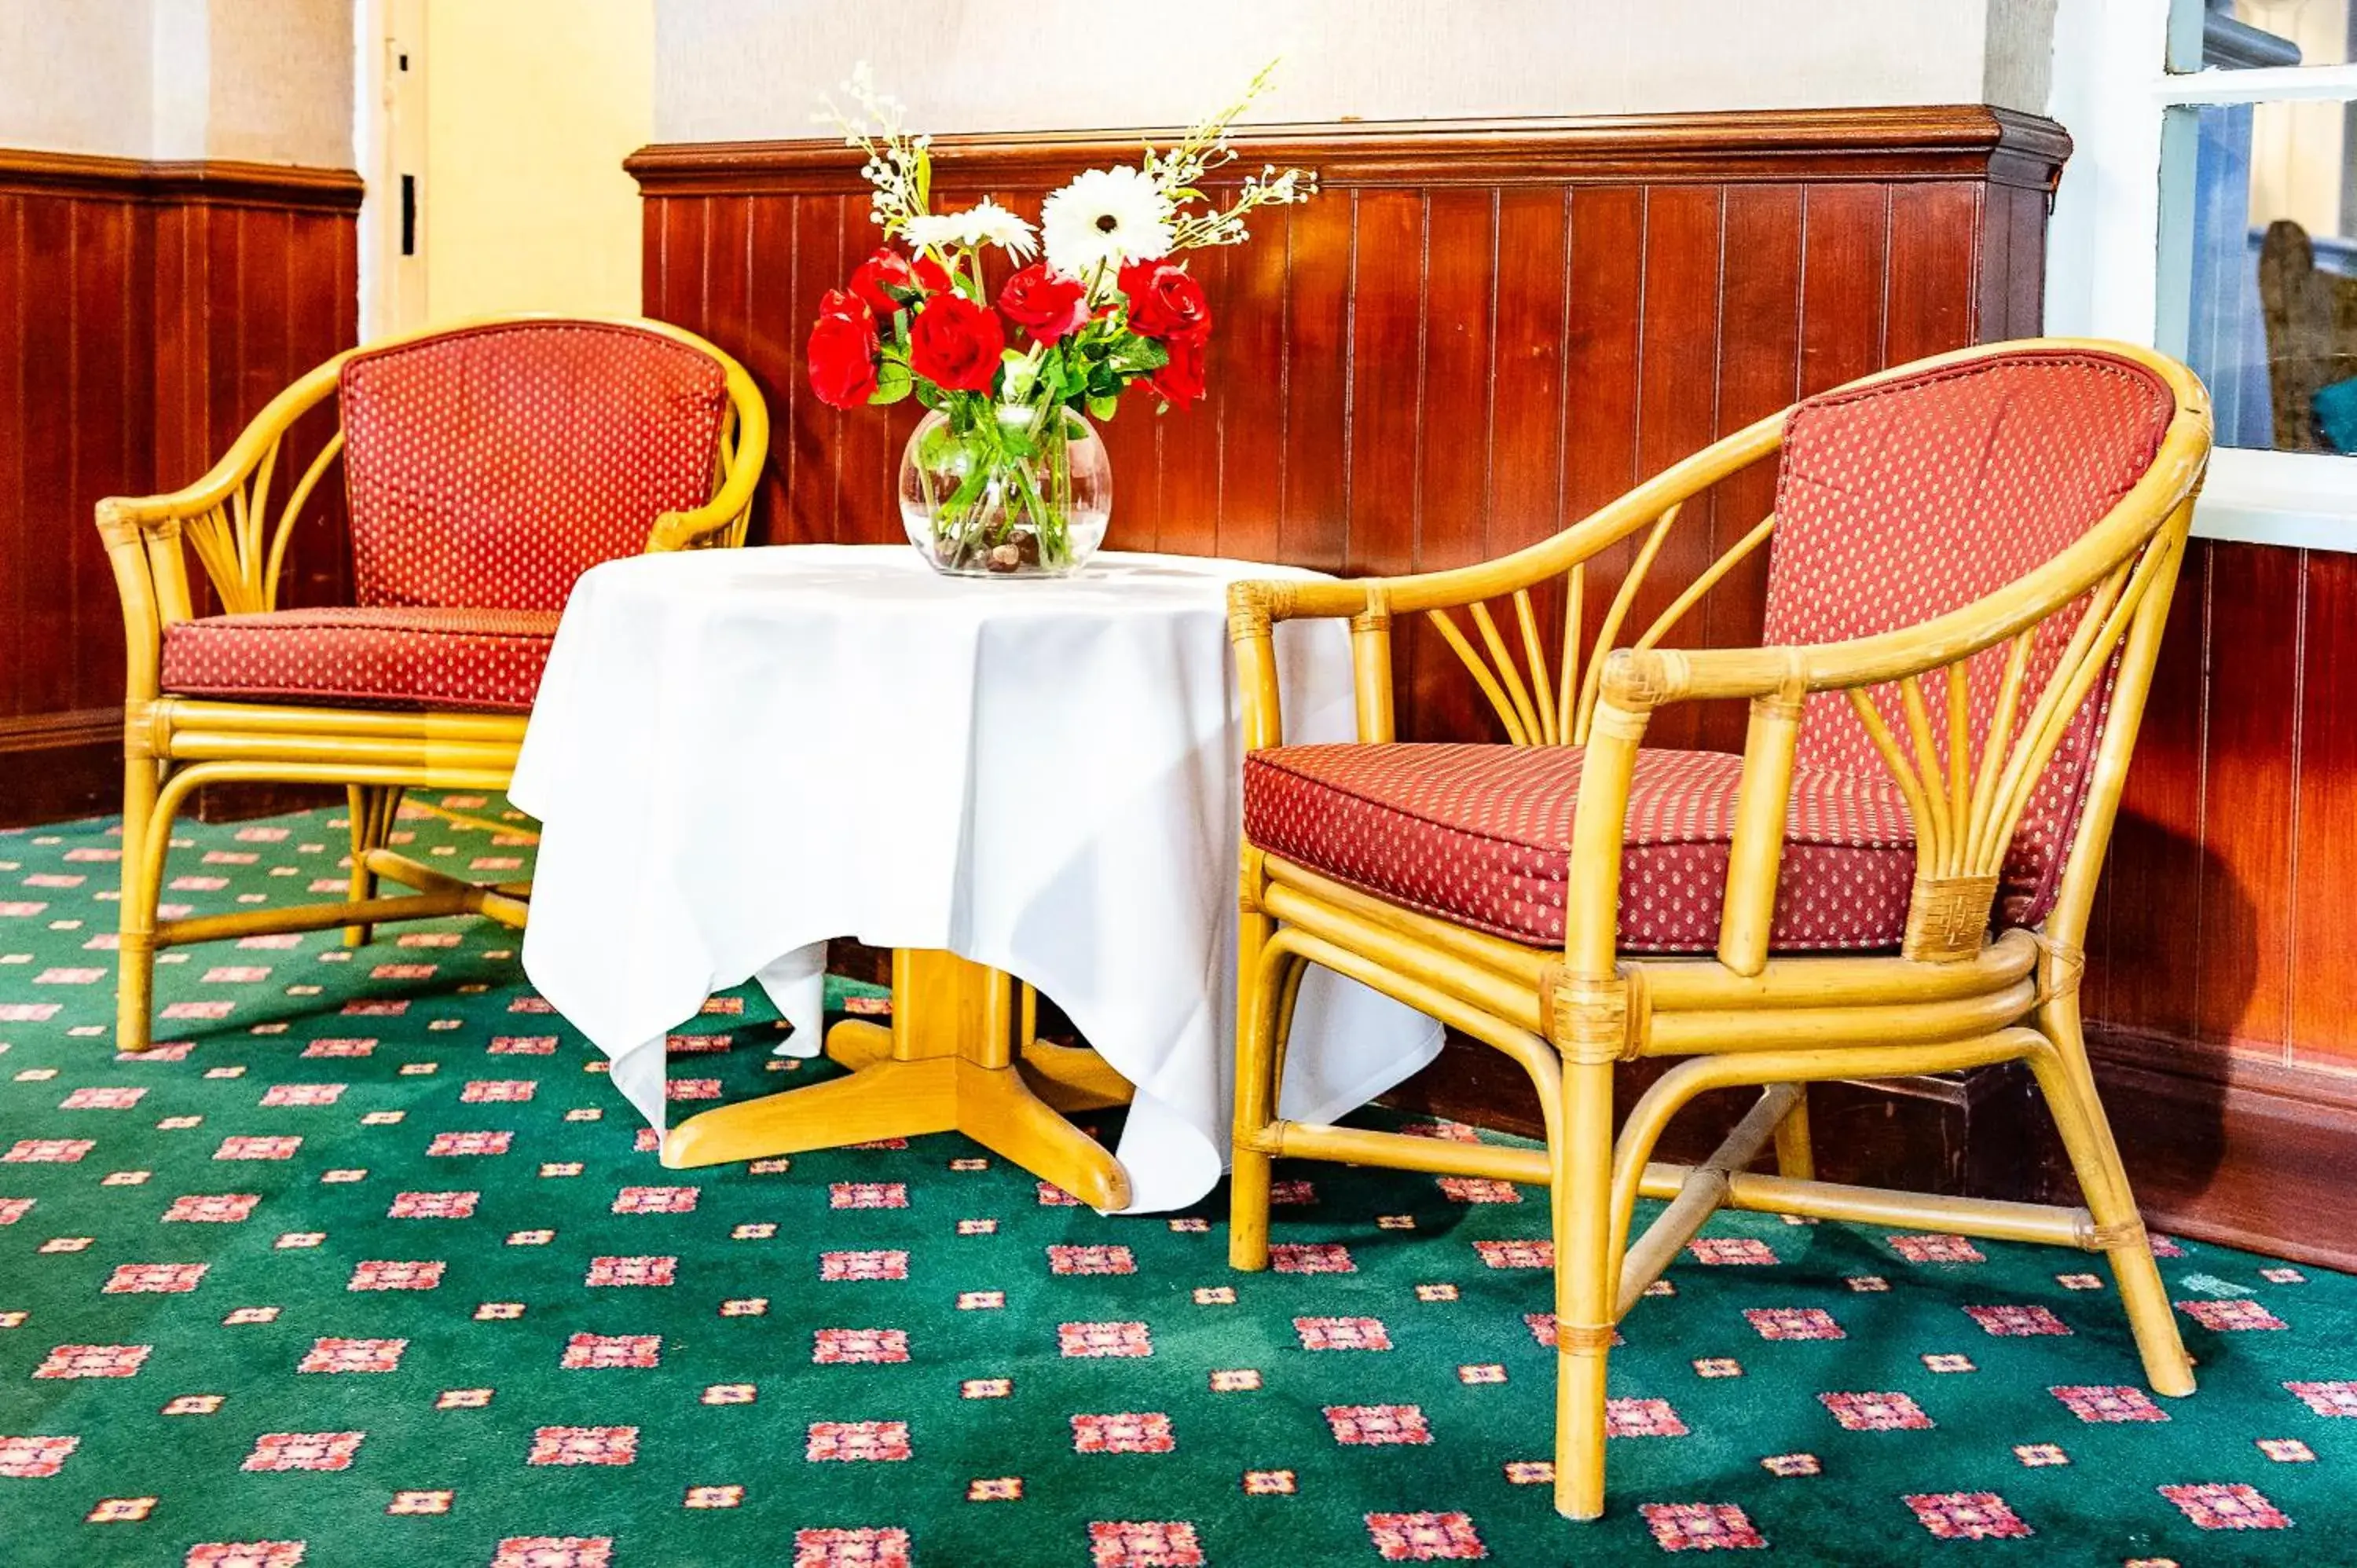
744	449
1524	569
1640	680
719	522
256	443
1254	606
224	515
1965	809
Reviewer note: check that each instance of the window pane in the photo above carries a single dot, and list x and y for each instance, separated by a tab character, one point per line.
2244	33
2270	229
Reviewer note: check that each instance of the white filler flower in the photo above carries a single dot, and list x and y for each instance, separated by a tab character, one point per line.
930	231
988	223
1105	217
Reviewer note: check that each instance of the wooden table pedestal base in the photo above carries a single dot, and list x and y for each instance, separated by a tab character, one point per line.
959	1057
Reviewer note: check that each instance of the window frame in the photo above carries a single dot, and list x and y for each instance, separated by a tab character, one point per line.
2118	246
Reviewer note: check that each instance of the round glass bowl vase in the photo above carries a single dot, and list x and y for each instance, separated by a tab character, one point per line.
1025	494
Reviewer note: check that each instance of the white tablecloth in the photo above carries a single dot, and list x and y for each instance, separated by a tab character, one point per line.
737	755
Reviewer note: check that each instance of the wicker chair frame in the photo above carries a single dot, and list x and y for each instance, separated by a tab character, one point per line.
173	744
1953	998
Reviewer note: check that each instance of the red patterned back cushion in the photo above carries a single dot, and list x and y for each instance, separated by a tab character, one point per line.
488	468
1907	499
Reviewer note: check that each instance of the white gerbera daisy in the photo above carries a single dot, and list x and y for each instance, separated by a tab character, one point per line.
1105	217
988	223
932	231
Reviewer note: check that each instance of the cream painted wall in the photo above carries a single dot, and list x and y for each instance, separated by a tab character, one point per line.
729	69
531	107
77	76
263	81
281	82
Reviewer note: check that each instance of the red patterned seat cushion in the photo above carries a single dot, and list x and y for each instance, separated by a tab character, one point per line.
1481	835
1903	501
487	660
489	467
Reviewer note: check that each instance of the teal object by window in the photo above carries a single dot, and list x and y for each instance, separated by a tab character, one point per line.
2336	414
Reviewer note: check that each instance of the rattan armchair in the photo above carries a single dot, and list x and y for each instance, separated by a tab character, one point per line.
1971	567
487	465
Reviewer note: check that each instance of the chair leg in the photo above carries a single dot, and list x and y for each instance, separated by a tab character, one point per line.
371	807
2069	1086
1256	1027
134	958
1582	1194
1796	1158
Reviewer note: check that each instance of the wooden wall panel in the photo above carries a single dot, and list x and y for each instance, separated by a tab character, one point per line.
1313	509
2241	955
2223	967
2222	964
1480	333
146	312
2323	949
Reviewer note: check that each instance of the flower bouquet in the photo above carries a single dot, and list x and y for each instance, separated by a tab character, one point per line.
1006	474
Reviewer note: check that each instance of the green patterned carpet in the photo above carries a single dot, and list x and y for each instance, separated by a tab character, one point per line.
374	1268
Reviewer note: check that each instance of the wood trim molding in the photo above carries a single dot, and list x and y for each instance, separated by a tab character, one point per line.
198	182
75	726
1935	142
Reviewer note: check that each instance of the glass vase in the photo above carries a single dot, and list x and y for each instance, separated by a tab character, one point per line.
1026	493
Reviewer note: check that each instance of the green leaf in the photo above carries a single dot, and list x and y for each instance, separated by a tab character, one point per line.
1105	407
893	382
1135	354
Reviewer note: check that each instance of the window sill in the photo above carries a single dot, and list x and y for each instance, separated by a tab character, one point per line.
2301	501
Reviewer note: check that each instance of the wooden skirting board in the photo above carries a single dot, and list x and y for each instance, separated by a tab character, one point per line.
2233	1148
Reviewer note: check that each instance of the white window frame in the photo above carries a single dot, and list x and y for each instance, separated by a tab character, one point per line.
2107	262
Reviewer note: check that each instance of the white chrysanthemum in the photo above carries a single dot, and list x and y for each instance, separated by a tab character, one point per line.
931	232
1105	217
988	223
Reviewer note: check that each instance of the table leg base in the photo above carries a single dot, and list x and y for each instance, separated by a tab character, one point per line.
896	1097
1068	1077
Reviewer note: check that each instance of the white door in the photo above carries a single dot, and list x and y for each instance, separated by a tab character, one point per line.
393	141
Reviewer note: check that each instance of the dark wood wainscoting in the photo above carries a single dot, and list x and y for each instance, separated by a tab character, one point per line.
1481	332
146	312
2222	977
1477	334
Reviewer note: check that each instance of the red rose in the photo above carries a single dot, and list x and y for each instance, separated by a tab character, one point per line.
1163	302
887	269
1181	380
850	306
956	344
1044	302
843	357
931	276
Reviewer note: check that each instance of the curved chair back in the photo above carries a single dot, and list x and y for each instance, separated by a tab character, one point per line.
1902	499
489	466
